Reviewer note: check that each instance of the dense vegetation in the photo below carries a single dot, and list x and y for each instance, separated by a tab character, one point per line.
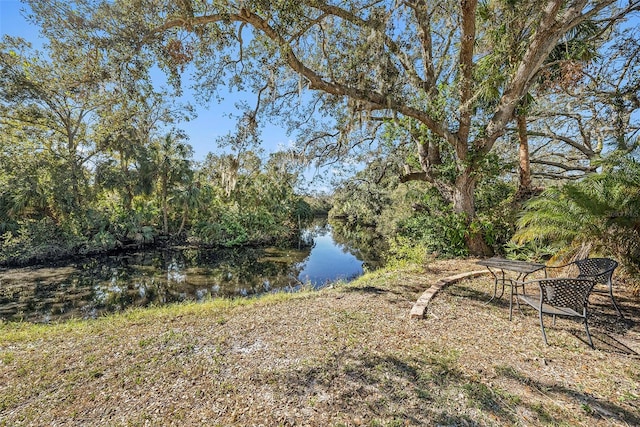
189	204
597	215
86	171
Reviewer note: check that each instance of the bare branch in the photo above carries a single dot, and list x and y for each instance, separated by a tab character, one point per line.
564	166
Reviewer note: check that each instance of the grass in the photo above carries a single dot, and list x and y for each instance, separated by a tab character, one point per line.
346	356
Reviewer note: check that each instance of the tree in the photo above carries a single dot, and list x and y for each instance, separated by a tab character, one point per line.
129	126
56	100
366	62
563	66
172	166
23	194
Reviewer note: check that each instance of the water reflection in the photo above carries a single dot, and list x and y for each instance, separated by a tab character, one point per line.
87	288
328	260
362	242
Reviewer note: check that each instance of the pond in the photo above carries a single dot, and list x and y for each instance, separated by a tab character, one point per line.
92	286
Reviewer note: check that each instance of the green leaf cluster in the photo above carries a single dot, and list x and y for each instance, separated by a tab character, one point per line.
598	215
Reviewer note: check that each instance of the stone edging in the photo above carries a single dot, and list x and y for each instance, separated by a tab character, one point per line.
420	306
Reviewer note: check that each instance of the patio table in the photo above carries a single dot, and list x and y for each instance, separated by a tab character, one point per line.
499	266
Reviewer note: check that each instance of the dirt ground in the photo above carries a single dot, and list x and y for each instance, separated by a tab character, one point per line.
347	356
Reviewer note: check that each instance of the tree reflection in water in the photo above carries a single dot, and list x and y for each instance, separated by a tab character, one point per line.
90	287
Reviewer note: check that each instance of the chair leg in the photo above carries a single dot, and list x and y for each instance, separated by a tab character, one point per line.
544	335
586	328
613	300
511	302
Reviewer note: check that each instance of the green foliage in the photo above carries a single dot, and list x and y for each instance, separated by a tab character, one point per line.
319	205
302	211
226	230
419	223
533	250
444	235
403	250
598	215
360	203
262	209
35	241
228	225
102	241
135	225
142	184
363	198
497	213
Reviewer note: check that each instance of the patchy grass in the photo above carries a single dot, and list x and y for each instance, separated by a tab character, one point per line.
347	356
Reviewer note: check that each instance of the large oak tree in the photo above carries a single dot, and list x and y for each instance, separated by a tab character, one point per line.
432	64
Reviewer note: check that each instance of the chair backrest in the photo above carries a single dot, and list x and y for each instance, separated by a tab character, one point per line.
598	269
567	292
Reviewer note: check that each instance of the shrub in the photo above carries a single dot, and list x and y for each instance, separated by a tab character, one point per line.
36	241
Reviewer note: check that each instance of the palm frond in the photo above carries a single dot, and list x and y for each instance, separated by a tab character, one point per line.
600	213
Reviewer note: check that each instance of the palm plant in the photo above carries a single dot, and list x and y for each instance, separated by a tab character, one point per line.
598	215
172	165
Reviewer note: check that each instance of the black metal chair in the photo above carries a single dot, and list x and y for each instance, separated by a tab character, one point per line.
599	270
561	296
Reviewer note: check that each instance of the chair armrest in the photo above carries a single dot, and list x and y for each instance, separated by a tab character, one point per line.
526	282
522	283
559	266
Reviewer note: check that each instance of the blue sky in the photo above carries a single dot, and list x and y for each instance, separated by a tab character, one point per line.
213	121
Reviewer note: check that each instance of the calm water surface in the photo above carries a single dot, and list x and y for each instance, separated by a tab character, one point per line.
88	288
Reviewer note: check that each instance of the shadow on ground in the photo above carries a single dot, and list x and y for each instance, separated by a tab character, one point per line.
594	407
424	391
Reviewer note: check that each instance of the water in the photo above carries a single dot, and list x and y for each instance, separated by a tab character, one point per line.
328	261
93	286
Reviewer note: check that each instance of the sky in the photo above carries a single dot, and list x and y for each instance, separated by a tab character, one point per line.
212	121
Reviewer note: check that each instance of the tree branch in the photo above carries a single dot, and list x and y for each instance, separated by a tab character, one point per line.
376	100
564	166
466	74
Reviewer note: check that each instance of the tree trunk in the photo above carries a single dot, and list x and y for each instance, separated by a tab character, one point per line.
523	154
463	202
165	207
127	201
185	215
74	175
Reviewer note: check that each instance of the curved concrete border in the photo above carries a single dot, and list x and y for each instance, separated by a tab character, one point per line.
420	306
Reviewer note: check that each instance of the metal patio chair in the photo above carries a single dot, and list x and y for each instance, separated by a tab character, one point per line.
561	296
599	270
